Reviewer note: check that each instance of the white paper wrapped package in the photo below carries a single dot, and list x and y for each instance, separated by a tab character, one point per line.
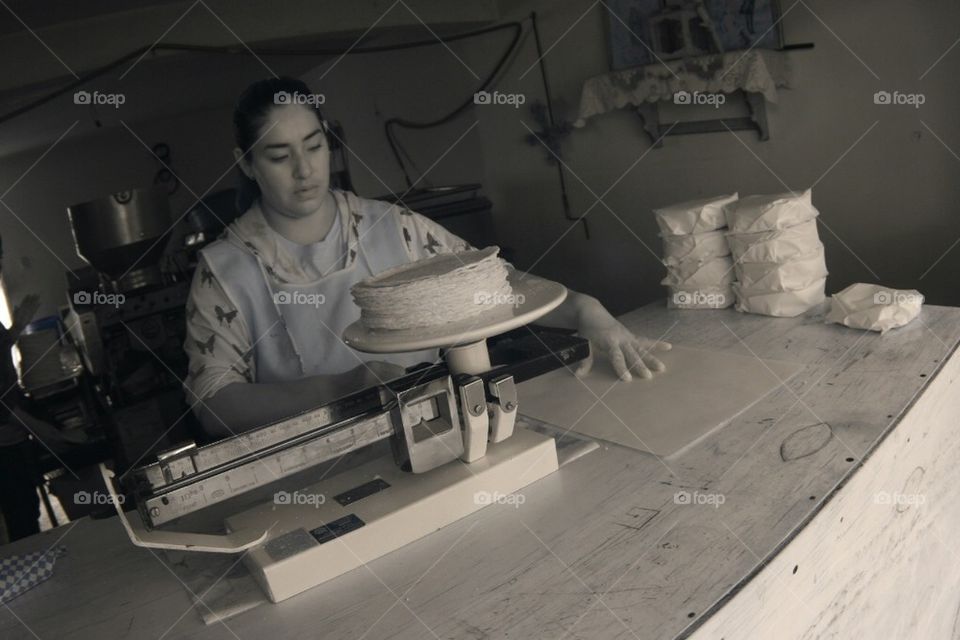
769	212
690	276
694	216
797	273
719	297
874	307
785	304
694	247
775	246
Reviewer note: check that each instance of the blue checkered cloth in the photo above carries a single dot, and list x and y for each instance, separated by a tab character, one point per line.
19	574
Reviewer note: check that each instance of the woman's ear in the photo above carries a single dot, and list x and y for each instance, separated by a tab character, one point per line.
243	163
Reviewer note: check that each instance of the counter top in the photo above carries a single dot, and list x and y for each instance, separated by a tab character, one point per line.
600	549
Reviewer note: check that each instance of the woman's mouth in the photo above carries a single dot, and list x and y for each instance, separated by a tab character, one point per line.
305	192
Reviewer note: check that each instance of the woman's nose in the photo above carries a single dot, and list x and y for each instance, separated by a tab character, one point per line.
302	168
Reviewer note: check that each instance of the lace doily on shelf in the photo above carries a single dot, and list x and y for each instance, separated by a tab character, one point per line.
756	71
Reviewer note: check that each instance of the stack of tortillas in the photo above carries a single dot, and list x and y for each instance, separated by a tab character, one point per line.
781	270
435	291
700	271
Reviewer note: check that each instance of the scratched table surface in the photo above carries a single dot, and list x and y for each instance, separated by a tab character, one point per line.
617	544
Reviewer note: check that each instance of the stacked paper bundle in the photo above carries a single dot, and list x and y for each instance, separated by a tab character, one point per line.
778	254
695	251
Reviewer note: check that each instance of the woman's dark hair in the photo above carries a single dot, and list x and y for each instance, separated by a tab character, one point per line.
249	114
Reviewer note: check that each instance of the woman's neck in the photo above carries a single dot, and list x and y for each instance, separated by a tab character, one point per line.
306	230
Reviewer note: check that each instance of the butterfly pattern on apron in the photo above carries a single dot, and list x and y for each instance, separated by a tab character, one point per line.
296	329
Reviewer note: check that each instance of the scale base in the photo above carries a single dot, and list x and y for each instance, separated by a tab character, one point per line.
352	518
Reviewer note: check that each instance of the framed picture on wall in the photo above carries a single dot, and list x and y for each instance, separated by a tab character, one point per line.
636	27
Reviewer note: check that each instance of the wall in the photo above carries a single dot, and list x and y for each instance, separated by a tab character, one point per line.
39	250
361	92
420	84
890	201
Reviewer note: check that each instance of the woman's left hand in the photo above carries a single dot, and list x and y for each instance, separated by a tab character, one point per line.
626	351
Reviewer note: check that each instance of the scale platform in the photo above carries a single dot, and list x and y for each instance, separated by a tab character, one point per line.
357	516
534	297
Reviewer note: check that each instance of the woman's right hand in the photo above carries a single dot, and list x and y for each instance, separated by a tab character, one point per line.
242	406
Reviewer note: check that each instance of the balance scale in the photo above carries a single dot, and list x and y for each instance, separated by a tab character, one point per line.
454	451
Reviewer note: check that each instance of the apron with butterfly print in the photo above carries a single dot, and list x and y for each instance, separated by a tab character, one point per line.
296	329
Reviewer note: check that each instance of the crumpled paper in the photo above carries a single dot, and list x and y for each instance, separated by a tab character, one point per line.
770	212
696	247
874	307
694	275
796	273
775	246
693	216
785	304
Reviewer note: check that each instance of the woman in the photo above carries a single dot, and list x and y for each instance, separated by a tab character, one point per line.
271	298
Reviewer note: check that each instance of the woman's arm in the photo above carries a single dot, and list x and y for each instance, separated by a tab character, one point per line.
567	315
220	349
626	351
240	406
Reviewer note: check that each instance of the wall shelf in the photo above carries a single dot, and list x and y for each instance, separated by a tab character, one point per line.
754	75
649	113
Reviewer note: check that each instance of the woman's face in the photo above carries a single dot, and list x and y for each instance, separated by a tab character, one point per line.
290	161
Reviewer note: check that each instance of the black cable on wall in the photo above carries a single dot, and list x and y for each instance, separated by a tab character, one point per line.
389	125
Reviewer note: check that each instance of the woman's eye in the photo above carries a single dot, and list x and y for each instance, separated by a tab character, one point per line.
278	159
316	148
